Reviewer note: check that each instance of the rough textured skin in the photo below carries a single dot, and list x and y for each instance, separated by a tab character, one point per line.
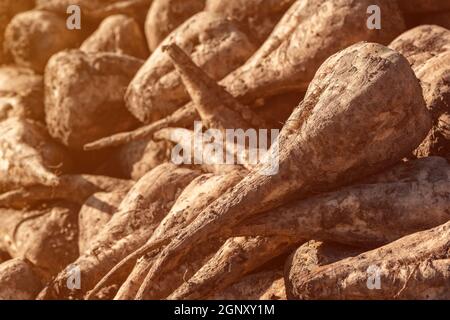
28	156
84	95
290	57
331	139
428	50
165	16
185	269
94	214
8	9
213	42
365	214
217	108
18	281
311	256
118	34
138	157
435	80
21	93
236	258
47	237
202	191
438	140
340	23
413	267
99	9
139	213
422	43
194	198
25	34
265	285
186	115
73	188
258	17
421	6
434	75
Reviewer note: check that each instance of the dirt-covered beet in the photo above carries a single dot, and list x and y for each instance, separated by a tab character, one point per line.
119	34
32	37
21	93
28	156
84	95
18	280
164	16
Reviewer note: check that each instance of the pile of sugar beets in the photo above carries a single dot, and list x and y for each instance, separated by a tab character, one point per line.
92	205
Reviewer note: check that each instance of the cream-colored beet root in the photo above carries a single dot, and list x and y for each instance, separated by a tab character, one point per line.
25	34
224	149
413	267
215	43
289	58
164	16
84	95
21	93
307	147
119	34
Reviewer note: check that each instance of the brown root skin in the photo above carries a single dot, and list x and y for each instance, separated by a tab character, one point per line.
217	108
26	31
363	215
73	188
157	90
420	44
435	80
413	267
95	214
118	34
73	108
183	117
236	258
164	16
139	213
21	93
311	256
18	280
194	198
309	160
264	75
264	285
428	50
258	17
47	237
8	10
28	156
125	266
